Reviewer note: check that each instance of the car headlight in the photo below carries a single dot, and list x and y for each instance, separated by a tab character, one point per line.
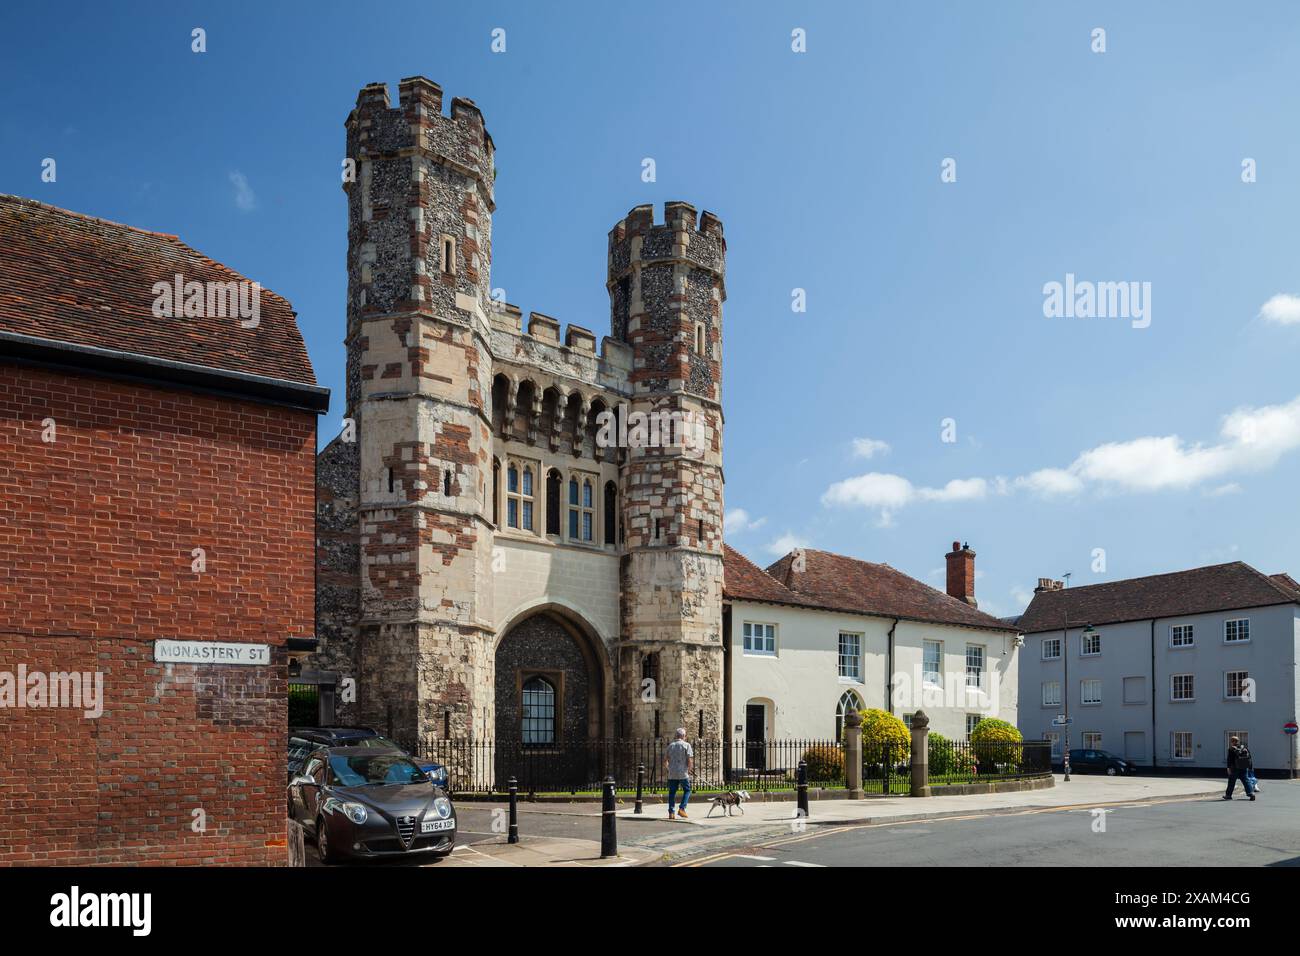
356	812
443	806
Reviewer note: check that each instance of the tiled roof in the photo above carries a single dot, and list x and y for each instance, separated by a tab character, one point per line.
1288	582
1219	587
743	580
834	582
89	282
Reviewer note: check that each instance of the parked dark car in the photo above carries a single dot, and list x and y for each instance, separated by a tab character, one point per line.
303	740
1098	761
369	802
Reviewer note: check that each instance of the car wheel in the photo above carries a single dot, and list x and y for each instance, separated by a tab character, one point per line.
324	849
1110	771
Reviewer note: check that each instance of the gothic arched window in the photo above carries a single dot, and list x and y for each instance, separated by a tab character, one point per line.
553	484
588	511
512	495
526	496
496	491
611	511
848	701
574	509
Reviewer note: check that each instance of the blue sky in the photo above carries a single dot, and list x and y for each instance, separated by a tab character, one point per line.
1169	446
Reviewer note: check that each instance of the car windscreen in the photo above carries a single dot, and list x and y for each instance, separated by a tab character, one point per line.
298	751
365	770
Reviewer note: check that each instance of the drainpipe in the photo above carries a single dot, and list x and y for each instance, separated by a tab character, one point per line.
889	669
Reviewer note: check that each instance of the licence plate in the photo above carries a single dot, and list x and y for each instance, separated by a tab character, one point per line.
434	826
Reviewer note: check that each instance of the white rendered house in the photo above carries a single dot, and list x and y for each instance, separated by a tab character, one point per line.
818	632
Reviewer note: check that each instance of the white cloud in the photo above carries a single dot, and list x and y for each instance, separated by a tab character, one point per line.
737	521
869	447
872	490
959	489
785	544
1022	597
1231	488
1050	481
1284	309
1250	440
245	201
887	493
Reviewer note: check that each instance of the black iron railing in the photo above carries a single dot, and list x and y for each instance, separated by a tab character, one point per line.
962	761
581	766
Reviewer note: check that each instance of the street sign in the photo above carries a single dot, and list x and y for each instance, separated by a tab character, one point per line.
1290	727
211	652
1062	721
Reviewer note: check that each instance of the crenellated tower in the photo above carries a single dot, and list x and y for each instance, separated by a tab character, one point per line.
666	287
419	373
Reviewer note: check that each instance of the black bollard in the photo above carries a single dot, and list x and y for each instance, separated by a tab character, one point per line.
640	785
803	789
608	835
512	787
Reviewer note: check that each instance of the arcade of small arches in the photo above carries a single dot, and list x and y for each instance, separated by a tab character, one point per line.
524	411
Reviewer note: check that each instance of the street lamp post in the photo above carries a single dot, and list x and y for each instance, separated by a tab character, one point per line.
1065	687
1087	632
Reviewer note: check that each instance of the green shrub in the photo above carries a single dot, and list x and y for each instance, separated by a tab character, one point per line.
993	730
825	762
883	733
947	758
995	742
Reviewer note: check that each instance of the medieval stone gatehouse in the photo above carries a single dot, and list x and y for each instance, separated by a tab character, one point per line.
490	562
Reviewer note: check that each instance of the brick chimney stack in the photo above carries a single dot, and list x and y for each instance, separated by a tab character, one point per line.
961	573
1047	584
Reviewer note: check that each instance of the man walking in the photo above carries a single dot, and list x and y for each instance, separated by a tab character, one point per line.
680	763
1239	766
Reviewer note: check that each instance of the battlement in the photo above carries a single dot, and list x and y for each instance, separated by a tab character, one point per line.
460	140
574	354
678	216
696	240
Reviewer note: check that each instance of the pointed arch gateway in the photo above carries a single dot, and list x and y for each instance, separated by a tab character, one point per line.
552	679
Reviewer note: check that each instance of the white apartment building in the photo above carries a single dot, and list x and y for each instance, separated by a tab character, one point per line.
1162	670
818	633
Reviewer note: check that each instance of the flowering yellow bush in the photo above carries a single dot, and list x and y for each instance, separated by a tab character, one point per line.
884	734
995	743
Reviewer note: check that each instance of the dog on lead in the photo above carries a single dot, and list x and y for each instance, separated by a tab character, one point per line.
732	798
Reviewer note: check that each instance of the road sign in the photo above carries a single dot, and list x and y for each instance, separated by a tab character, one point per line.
1062	721
1290	727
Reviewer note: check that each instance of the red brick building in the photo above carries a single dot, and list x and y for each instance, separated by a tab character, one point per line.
156	484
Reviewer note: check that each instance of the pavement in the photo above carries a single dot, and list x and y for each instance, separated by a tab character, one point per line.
568	834
1089	790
